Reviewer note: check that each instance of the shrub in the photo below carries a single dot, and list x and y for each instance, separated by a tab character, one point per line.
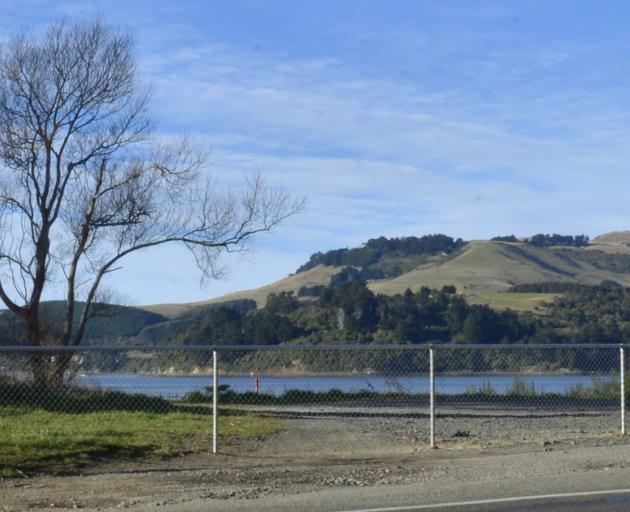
76	400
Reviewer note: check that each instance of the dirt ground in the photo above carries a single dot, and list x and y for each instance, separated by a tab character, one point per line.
322	448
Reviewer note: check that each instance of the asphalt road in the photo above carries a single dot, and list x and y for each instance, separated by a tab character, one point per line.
609	501
471	496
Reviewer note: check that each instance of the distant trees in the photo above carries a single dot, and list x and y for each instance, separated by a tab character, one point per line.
281	303
562	287
614	262
347	275
507	238
311	291
549	287
351	313
376	248
541	240
597	314
84	182
580	314
358	303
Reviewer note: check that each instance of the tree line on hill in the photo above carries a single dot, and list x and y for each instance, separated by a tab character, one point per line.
561	287
374	249
382	257
542	240
377	248
351	313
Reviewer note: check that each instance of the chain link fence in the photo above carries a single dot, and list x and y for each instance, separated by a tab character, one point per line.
361	400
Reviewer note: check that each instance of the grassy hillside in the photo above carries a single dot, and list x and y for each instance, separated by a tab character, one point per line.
613	238
517	301
114	322
496	266
481	270
320	275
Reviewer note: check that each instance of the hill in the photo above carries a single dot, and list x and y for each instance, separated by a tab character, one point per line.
547	288
319	275
496	266
480	269
613	238
113	324
350	313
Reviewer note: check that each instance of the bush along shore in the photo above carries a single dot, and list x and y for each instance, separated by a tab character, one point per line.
603	392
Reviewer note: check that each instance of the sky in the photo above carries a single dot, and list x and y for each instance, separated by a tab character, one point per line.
395	118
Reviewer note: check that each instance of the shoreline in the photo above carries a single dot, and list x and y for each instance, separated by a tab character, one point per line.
323	375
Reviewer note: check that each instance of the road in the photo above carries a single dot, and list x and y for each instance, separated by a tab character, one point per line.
358	464
608	501
613	487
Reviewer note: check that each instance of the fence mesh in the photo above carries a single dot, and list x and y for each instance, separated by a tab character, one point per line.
510	396
304	401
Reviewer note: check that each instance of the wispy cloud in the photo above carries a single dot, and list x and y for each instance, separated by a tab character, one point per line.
439	118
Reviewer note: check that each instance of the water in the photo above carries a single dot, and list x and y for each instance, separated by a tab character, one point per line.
176	386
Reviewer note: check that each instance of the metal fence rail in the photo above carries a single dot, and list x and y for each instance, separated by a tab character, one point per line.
320	347
396	395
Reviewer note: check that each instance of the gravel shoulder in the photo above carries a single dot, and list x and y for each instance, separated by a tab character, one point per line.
317	453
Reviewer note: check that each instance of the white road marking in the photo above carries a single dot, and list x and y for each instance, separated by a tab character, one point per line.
492	501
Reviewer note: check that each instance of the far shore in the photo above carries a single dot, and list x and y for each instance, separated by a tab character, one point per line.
561	372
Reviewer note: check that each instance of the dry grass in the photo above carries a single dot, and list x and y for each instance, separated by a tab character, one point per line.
480	268
516	301
320	275
492	267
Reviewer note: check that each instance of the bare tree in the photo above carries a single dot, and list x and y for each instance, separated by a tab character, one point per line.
84	182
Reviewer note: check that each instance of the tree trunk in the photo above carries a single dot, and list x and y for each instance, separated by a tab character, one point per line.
49	370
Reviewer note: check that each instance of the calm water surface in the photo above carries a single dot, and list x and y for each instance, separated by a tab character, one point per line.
174	386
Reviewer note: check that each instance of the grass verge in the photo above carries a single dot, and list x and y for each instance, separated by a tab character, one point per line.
34	440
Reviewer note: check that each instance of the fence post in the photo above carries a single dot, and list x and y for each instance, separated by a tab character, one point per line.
215	401
432	397
622	377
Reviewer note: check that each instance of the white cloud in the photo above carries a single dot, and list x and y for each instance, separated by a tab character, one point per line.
465	134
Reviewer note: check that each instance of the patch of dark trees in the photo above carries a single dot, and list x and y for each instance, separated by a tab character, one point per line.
377	248
612	262
350	313
542	240
562	287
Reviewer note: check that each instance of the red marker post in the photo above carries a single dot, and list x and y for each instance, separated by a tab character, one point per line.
257	381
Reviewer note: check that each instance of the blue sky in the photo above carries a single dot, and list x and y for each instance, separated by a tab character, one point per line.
470	118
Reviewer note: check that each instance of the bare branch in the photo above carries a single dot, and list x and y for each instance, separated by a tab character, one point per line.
84	182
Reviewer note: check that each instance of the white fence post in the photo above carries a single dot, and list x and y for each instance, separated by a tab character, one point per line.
622	377
432	397
215	401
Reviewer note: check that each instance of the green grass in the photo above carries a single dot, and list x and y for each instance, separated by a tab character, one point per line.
515	301
34	440
491	266
481	266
